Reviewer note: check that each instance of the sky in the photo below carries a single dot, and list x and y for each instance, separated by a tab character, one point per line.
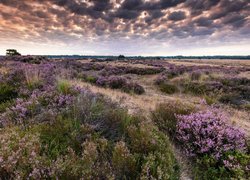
129	27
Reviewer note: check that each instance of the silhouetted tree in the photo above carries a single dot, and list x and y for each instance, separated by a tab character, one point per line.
121	57
12	52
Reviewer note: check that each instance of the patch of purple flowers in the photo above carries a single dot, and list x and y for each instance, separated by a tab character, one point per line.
208	133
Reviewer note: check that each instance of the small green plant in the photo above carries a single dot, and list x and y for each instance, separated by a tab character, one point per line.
168	88
91	79
210	100
63	86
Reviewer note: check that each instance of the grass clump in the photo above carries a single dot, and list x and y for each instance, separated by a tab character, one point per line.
63	86
91	79
168	88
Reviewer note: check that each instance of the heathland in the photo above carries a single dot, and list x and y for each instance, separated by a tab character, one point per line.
124	118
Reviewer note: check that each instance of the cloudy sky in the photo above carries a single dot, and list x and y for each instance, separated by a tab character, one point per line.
129	27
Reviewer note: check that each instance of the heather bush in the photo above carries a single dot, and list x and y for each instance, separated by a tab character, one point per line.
219	148
116	82
164	116
154	151
123	161
196	75
5	105
207	133
233	165
94	139
168	88
138	89
7	92
20	155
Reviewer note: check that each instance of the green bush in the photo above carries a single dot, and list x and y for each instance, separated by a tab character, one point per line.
57	137
91	79
123	161
164	115
7	92
154	151
234	165
5	105
168	88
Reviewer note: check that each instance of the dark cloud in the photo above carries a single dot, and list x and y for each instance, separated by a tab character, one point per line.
229	6
235	20
203	21
197	7
177	16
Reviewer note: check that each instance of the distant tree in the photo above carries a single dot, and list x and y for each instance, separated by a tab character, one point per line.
12	52
121	57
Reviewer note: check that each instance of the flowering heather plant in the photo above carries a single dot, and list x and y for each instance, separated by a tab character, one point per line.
207	133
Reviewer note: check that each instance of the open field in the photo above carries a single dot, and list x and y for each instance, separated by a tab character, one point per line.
124	119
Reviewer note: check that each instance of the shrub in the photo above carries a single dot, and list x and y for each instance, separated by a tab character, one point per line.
102	81
7	92
154	151
233	165
138	89
165	118
20	155
123	161
207	133
5	105
60	135
116	82
196	75
91	79
168	88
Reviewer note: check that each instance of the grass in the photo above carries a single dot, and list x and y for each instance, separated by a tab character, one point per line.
168	88
63	86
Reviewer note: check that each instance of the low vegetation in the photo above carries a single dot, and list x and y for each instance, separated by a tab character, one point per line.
56	130
52	129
